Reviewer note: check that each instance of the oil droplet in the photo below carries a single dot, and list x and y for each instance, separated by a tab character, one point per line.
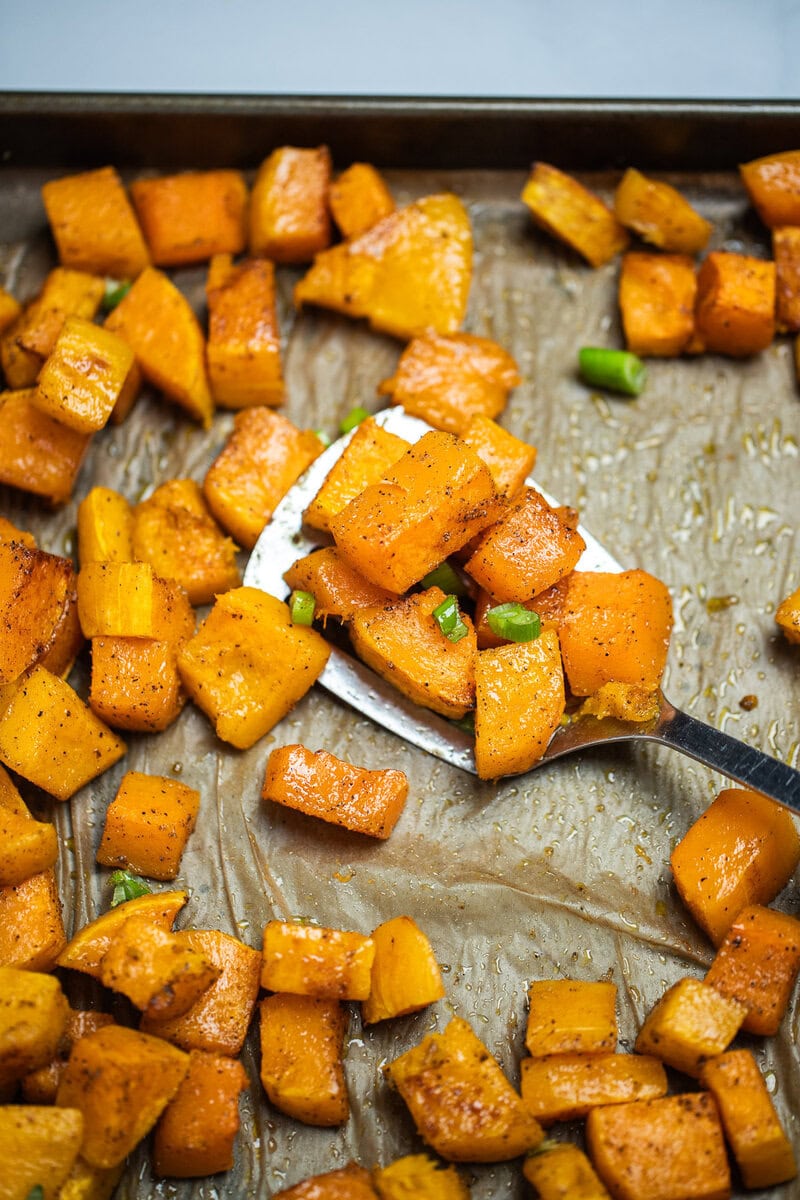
661	908
344	876
748	702
640	850
177	768
715	604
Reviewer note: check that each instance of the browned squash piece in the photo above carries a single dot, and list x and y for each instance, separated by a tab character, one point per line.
135	683
614	628
741	851
430	504
787	617
38	1148
409	273
757	964
187	218
31	928
244	343
85	950
105	527
735	310
324	786
569	211
449	379
348	1183
571	1016
338	590
41	1086
691	1023
563	1172
403	644
419	1176
566	1087
159	971
174	531
10	309
197	1130
35	589
358	199
509	459
786	252
656	299
93	224
84	375
39	455
33	1016
27	846
529	549
156	321
248	665
405	973
289	220
309	960
370	453
773	183
148	824
264	455
527	680
27	343
660	214
462	1104
302	1070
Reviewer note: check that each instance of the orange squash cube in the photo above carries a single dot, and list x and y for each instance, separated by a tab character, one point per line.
289	220
757	964
773	183
41	1086
31	927
84	375
135	683
409	273
35	590
324	786
660	214
39	1147
244	343
418	1175
563	1171
39	454
348	1183
264	455
308	960
94	226
786	252
9	532
105	527
656	299
302	1070
625	701
28	342
741	851
156	321
405	973
197	1130
20	366
449	379
690	1024
462	1104
358	199
569	211
118	599
338	590
159	972
566	1087
370	453
86	948
33	1016
735	309
187	218
27	846
570	1016
248	665
148	824
10	310
509	460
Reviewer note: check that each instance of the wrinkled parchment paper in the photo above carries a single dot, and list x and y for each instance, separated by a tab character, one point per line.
560	873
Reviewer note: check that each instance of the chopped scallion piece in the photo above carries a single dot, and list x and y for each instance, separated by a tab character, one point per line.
302	606
466	723
448	618
36	1192
115	291
445	577
323	437
127	887
514	622
353	419
617	370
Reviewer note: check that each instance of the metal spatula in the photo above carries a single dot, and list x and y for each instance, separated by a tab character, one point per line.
284	541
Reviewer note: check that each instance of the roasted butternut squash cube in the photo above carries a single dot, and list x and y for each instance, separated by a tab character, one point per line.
449	379
84	376
41	1086
50	737
248	665
302	1069
757	965
735	308
31	927
20	366
38	1148
773	183
105	527
348	1183
10	310
430	504
741	851
563	1171
656	299
33	1016
462	1104
66	642
197	1130
159	971
86	949
614	628
35	590
86	1182
566	1087
187	218
358	199
625	701
405	973
509	459
324	786
566	209
135	683
309	960
264	455
244	344
118	599
691	1023
158	324
660	1149
338	590
218	1021
760	1146
39	454
289	220
786	252
108	1067
418	1175
370	453
93	224
571	1016
409	273
27	846
787	617
148	824
26	344
660	214
174	531
528	680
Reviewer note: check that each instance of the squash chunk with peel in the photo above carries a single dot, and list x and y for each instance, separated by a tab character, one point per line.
566	209
156	321
39	454
338	590
289	219
86	949
31	927
247	665
690	1024
566	1087
159	971
39	1146
196	1133
302	1069
370	453
35	590
660	214
462	1104
33	1016
403	644
563	1172
571	1016
190	216
148	824
94	225
519	703
244	341
348	1183
405	973
84	376
264	455
27	846
417	1176
757	964
656	299
107	1069
105	527
449	379
309	960
409	273
509	459
430	504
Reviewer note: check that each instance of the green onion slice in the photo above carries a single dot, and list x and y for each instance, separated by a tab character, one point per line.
448	618
445	577
353	419
616	370
36	1192
302	606
127	887
323	437
514	622
116	290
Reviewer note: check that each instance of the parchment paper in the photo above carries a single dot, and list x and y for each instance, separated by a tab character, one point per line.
563	872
